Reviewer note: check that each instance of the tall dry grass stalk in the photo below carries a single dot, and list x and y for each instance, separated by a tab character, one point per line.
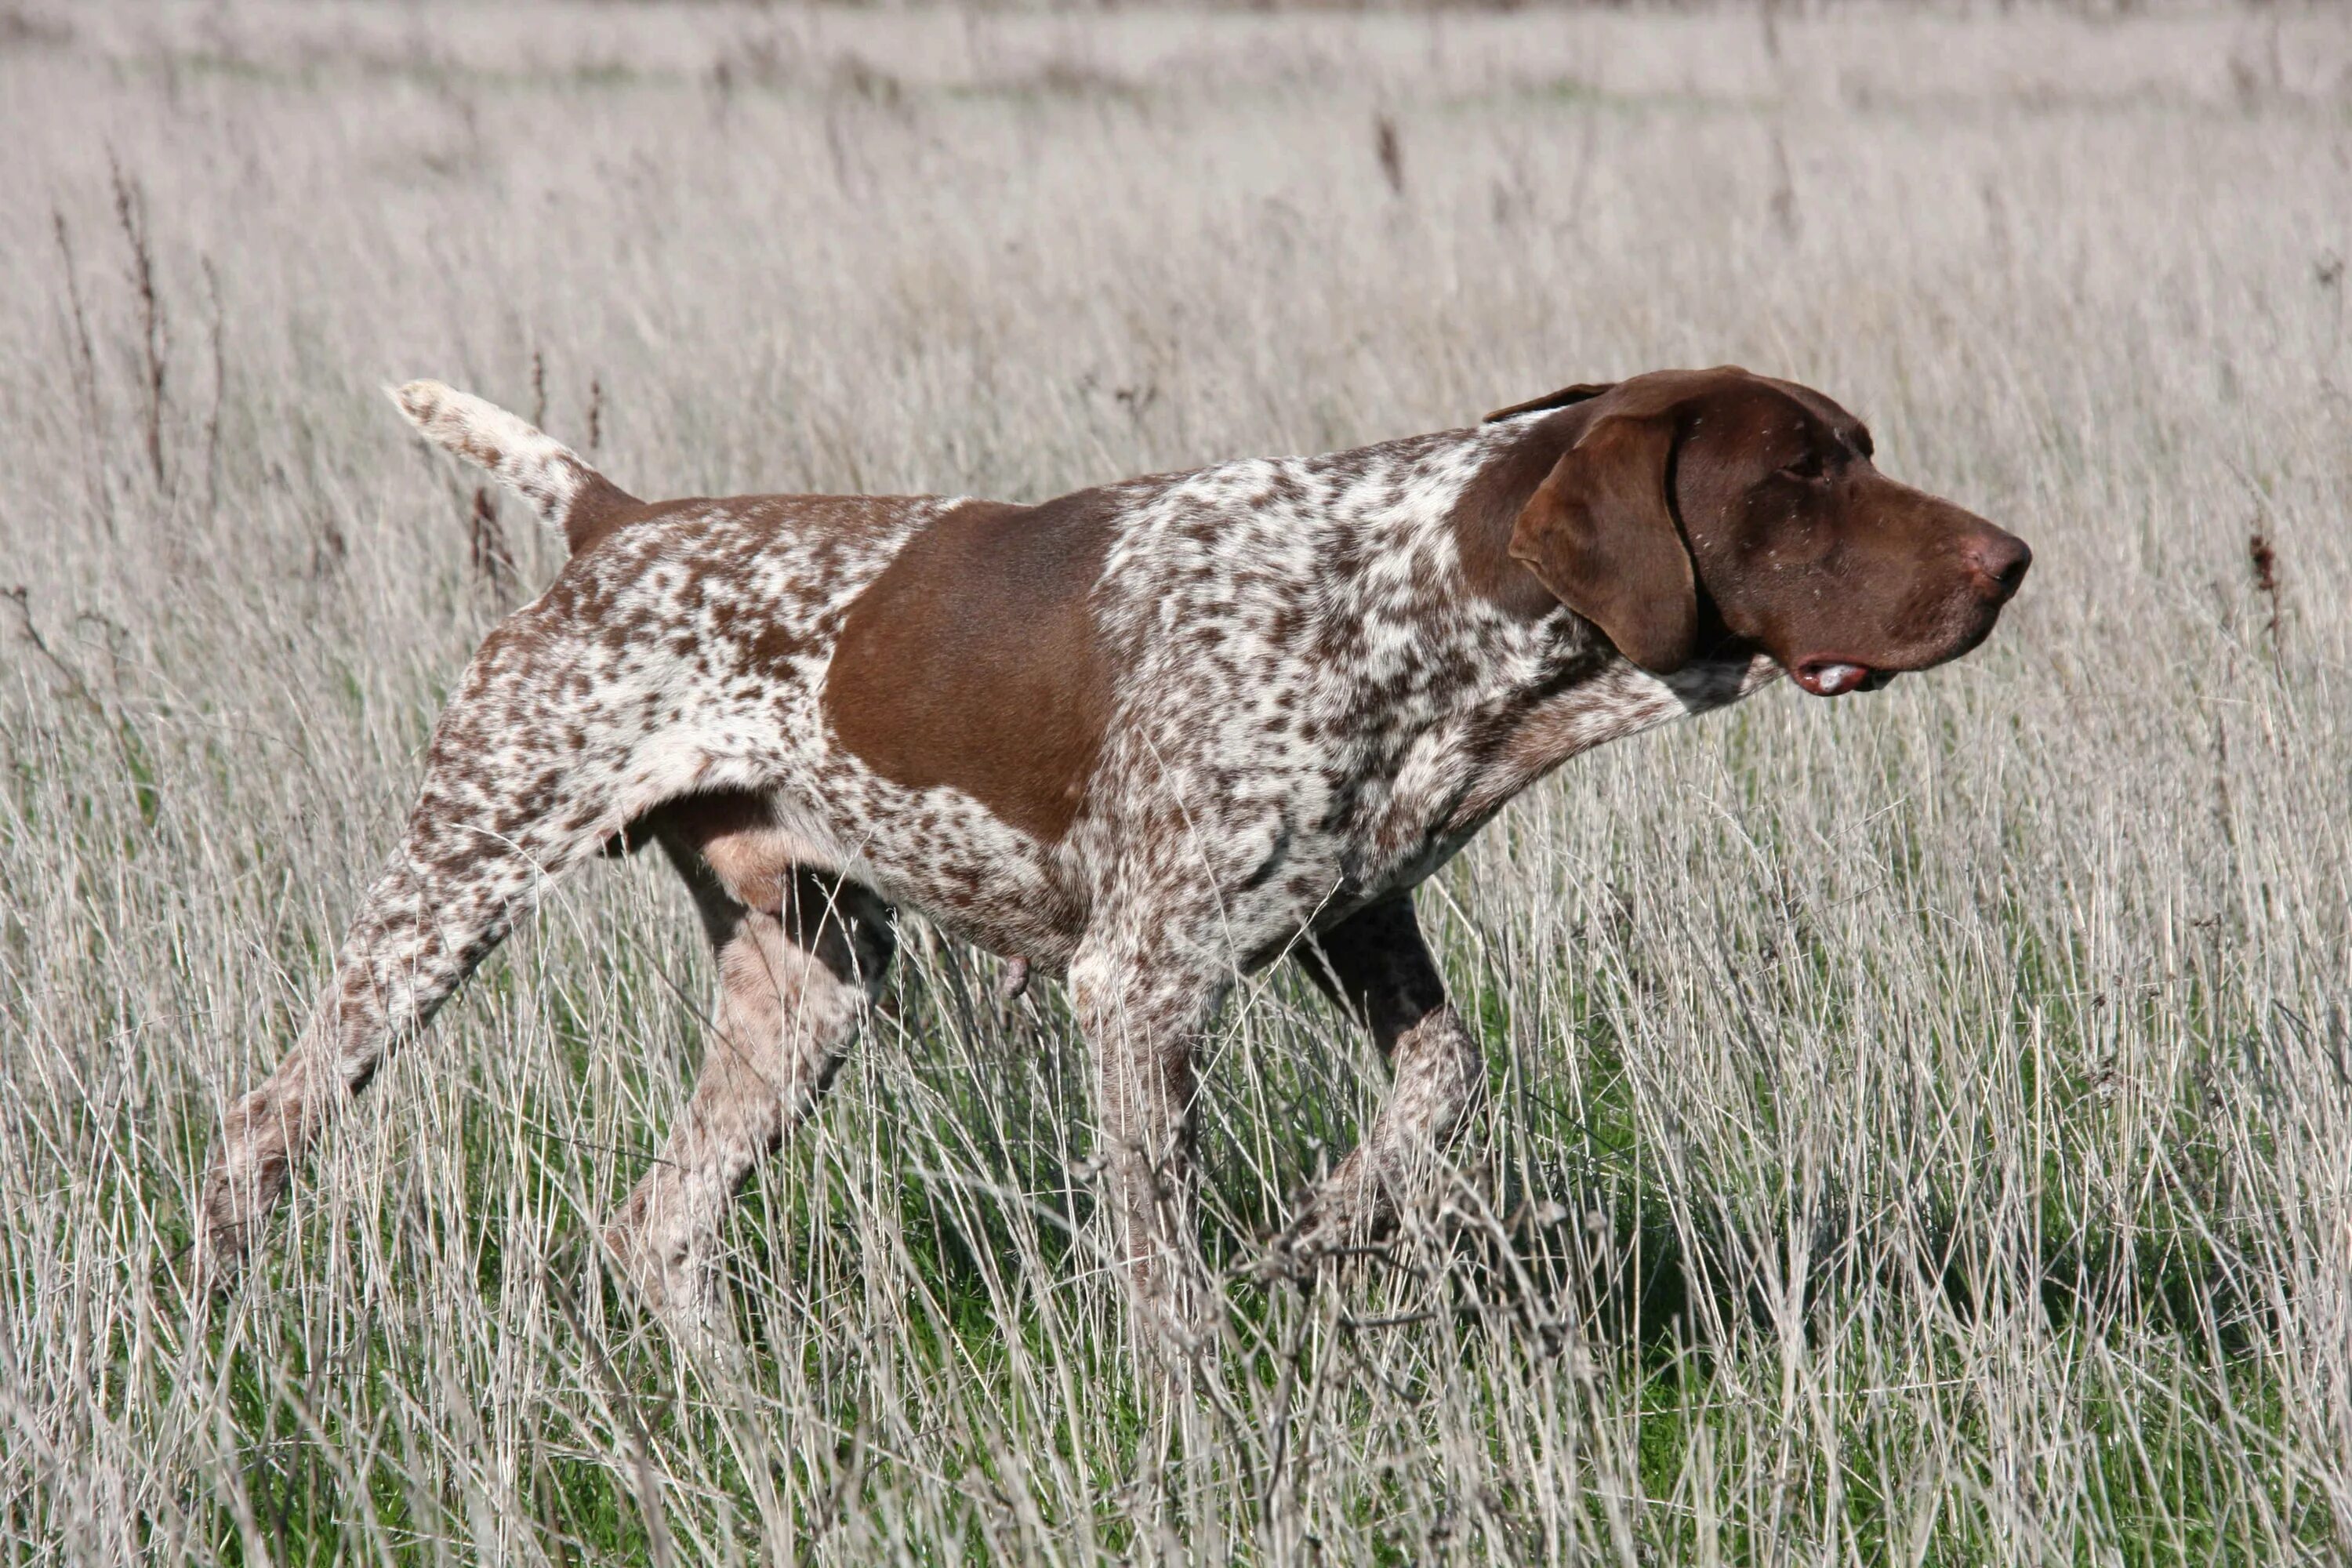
1922	1125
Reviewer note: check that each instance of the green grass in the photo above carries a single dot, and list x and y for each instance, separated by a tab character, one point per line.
1922	1125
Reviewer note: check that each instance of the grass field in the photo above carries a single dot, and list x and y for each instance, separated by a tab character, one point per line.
1923	1123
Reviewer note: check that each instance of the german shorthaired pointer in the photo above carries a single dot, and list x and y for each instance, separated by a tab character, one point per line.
1149	737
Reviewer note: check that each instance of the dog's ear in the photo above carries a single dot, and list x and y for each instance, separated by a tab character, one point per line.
1566	396
1599	533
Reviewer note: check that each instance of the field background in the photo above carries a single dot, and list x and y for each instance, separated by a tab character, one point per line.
1923	1122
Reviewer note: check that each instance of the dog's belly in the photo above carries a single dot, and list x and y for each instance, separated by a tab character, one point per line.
1001	918
944	856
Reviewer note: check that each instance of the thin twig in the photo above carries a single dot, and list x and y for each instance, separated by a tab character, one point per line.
131	211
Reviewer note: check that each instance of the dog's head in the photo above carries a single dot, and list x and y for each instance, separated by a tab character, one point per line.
1700	507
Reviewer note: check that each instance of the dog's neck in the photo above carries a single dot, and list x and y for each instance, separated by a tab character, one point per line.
1363	605
1547	686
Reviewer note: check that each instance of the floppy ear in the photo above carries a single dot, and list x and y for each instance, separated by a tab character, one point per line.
1564	397
1599	533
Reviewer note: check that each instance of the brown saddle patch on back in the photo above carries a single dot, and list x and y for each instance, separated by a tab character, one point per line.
972	661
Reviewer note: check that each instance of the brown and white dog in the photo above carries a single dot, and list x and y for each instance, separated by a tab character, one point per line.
1149	736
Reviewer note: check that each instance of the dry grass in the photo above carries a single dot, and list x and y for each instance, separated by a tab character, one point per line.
1924	1123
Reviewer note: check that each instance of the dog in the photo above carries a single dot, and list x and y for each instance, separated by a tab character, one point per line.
1149	737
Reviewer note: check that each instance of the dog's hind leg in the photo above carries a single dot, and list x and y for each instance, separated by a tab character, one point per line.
801	956
519	787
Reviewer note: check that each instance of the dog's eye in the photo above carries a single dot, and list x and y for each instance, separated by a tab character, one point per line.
1808	467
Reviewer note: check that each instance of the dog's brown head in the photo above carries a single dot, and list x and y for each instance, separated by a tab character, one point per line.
1701	508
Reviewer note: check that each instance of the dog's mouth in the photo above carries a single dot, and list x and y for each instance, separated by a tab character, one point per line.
1836	677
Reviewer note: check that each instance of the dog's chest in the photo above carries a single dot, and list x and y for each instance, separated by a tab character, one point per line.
1309	684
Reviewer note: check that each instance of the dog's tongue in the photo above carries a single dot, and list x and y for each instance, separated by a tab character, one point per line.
1831	679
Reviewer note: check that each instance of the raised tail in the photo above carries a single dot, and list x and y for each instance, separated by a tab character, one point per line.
569	495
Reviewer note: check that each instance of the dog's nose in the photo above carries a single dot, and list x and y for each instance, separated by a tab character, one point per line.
1996	562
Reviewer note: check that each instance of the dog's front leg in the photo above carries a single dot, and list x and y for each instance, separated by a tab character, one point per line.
1143	1010
1375	964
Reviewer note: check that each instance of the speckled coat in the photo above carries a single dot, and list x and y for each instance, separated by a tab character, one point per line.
1149	737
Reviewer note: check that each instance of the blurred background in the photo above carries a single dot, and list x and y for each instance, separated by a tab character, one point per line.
1923	1122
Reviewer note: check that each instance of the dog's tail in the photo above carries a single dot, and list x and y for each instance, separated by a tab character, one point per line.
569	495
